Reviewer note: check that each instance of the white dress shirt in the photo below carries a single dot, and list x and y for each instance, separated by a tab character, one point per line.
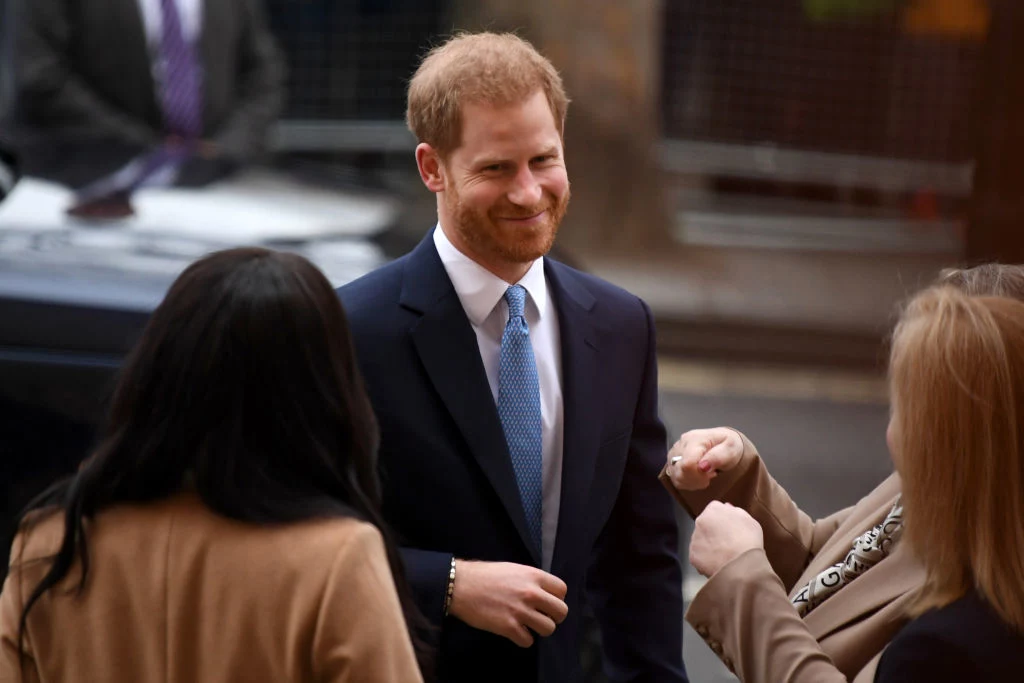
190	11
482	295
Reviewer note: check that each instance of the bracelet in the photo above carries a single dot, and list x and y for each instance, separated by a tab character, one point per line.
451	588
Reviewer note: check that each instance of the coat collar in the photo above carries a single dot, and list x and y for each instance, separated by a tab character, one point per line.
577	310
889	580
480	290
893	577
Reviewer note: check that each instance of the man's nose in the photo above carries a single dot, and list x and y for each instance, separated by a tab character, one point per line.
525	190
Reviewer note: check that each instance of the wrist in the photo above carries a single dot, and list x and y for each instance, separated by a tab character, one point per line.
741	439
449	592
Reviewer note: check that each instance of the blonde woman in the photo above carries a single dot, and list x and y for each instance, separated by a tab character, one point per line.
791	598
957	381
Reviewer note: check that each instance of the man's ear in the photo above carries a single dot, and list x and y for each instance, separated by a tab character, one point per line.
431	168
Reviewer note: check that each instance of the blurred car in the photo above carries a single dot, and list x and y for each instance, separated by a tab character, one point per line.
75	294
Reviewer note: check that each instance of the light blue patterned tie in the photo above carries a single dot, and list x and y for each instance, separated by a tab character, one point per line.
519	408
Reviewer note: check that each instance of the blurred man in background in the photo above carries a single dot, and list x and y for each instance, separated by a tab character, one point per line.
112	95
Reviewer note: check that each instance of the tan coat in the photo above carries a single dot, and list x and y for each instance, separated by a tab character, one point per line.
177	594
744	611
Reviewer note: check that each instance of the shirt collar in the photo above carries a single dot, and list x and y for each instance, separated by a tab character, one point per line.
479	289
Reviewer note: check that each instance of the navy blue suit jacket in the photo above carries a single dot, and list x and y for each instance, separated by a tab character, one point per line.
450	490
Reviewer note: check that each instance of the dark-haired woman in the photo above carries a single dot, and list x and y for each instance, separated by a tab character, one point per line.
227	525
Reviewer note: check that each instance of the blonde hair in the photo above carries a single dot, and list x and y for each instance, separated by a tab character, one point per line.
957	373
988	279
498	69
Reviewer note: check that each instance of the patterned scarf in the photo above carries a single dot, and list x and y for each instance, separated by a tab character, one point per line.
868	550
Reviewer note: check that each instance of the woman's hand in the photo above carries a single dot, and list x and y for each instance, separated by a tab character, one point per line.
722	533
700	454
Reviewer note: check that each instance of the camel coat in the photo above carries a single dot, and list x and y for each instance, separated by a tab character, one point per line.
176	594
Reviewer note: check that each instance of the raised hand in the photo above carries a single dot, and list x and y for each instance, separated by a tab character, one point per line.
700	454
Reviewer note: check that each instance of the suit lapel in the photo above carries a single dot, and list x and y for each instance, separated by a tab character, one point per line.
883	583
448	349
581	431
896	575
870	511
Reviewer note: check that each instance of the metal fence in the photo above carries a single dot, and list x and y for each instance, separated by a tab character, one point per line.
739	77
752	72
350	60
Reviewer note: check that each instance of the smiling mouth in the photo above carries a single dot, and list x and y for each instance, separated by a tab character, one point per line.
524	219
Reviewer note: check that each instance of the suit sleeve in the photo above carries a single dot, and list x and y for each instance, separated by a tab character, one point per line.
635	582
360	635
427	572
261	89
11	604
49	89
791	537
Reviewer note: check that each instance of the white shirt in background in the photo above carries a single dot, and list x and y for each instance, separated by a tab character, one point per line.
190	11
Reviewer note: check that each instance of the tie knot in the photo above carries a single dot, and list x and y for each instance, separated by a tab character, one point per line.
516	298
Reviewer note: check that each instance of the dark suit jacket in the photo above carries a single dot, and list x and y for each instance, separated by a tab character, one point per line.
84	84
963	642
9	172
449	486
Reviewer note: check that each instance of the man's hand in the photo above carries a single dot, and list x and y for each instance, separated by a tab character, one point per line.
508	599
700	454
208	149
203	148
722	533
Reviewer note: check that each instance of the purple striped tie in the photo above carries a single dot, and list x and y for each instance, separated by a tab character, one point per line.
181	96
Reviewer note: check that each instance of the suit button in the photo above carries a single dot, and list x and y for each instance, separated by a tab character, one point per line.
728	664
716	647
702	631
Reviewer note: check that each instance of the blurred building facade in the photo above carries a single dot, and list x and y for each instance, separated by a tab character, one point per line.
830	124
819	124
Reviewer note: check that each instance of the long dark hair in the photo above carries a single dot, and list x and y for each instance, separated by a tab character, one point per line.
245	384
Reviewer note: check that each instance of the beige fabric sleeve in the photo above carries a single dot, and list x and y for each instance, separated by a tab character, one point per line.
361	635
11	604
791	537
744	614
